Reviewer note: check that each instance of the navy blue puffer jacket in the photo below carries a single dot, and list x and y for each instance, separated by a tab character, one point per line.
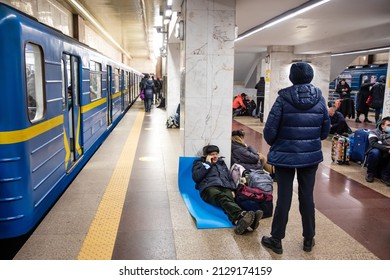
297	123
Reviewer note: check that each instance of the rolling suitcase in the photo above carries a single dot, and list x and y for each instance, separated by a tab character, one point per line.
360	145
340	149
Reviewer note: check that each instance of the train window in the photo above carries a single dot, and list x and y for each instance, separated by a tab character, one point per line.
95	76
117	80
34	81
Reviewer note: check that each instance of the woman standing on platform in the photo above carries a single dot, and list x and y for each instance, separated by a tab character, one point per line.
296	124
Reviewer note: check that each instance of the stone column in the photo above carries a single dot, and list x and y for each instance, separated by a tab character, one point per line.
208	75
278	63
386	102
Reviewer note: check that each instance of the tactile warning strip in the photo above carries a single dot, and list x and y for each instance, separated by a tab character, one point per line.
100	240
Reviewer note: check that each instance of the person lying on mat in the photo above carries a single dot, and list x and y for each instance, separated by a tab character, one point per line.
216	186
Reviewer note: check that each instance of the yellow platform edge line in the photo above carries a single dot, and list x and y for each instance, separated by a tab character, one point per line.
100	240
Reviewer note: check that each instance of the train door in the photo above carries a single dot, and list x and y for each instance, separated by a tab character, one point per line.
109	95
72	116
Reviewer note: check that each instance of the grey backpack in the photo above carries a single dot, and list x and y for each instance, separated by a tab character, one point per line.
260	179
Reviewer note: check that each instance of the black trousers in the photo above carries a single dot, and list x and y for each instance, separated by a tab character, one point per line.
306	180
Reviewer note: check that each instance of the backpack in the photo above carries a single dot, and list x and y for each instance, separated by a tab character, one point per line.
172	122
261	180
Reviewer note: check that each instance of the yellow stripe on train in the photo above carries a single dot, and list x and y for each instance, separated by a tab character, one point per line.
17	136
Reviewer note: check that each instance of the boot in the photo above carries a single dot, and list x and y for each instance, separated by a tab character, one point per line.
357	120
367	121
273	244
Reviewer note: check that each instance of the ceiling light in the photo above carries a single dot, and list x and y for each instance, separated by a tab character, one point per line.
362	51
168	12
169	2
282	17
92	20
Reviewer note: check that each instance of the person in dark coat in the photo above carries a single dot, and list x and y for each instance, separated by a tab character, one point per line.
378	154
377	93
337	122
260	86
244	154
296	124
149	91
343	89
361	99
216	186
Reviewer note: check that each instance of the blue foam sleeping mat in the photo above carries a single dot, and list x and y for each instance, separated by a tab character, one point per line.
205	214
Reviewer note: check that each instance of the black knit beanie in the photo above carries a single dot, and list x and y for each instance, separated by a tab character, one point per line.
301	73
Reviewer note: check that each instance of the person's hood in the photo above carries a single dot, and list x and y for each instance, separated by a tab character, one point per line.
301	96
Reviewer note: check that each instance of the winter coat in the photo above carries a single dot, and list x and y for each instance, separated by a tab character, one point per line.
260	86
343	94
206	174
361	98
377	93
336	120
238	102
247	156
149	89
296	124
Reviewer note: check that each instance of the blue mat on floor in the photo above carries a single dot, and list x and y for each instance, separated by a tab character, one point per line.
205	214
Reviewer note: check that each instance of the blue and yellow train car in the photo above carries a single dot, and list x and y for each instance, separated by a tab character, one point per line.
59	101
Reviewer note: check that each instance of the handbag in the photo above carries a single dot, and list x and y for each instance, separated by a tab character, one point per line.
368	101
142	95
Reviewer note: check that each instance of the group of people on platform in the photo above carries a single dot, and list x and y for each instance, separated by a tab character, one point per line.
243	106
150	89
370	95
297	123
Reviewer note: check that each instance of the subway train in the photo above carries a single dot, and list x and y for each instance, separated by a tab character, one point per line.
355	75
60	99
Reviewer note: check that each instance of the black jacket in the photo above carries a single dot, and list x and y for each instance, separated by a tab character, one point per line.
206	174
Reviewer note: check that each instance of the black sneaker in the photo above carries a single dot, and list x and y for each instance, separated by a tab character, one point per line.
273	244
256	221
244	221
308	244
370	178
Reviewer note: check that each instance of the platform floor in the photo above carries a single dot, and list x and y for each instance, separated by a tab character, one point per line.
125	205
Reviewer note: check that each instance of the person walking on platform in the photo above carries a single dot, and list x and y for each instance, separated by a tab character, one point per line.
296	124
361	101
216	186
149	91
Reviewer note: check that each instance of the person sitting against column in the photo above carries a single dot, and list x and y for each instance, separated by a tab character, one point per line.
244	154
337	122
216	186
378	155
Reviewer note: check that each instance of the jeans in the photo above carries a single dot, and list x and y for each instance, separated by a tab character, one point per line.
306	180
378	164
148	104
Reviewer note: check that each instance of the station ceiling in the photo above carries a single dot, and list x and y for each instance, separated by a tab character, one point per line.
336	26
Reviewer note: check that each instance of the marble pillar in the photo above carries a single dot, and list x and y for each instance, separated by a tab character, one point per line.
278	63
386	102
208	75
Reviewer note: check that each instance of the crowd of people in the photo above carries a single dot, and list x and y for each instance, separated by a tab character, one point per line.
295	148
